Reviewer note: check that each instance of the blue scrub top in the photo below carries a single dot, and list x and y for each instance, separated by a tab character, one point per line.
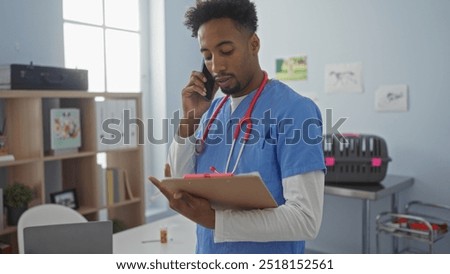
285	141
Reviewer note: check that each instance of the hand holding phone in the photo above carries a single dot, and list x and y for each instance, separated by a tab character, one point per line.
210	82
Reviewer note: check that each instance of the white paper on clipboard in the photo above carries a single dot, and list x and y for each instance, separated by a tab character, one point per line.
246	191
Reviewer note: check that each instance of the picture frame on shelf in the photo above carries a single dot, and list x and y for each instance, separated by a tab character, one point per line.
66	198
65	134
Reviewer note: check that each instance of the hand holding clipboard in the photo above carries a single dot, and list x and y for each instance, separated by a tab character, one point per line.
246	191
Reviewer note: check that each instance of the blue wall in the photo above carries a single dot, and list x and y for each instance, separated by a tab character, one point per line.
398	42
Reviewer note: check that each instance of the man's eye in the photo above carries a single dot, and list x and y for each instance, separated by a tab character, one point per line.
228	52
207	58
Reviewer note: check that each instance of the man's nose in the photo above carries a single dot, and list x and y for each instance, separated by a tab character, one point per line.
218	65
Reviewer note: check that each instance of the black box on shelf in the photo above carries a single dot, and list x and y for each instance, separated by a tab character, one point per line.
355	158
18	76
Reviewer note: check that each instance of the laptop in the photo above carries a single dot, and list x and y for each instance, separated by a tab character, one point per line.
75	238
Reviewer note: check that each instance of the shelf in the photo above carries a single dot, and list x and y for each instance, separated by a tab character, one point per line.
84	210
27	114
427	224
127	202
8	230
19	162
69	156
424	236
64	94
120	150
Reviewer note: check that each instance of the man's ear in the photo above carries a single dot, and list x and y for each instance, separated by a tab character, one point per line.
254	44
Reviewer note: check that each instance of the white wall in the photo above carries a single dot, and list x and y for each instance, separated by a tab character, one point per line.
398	42
31	31
173	55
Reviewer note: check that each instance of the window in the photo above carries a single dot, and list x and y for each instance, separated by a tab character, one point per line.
103	36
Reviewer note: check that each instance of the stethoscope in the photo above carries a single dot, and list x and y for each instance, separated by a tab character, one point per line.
246	119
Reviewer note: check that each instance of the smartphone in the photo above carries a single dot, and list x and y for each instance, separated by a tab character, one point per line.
210	82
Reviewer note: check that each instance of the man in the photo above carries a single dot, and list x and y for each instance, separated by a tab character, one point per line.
284	143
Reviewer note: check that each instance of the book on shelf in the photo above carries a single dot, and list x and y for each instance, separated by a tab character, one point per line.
128	186
101	173
116	124
118	187
65	130
109	186
6	157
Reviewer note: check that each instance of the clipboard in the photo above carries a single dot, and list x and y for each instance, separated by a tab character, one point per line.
246	191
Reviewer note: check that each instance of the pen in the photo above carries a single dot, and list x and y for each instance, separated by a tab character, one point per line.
213	169
150	241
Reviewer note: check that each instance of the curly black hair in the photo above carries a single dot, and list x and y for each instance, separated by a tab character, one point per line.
243	12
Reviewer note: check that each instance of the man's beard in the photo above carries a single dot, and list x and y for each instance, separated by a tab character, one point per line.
233	90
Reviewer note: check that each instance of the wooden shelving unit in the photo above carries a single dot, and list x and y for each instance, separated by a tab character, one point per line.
26	119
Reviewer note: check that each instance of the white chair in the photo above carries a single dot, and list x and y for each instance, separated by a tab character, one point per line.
46	214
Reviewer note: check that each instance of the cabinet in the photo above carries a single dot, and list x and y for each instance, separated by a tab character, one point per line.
26	113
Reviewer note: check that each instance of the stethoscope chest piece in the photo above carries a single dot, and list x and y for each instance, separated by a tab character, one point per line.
199	146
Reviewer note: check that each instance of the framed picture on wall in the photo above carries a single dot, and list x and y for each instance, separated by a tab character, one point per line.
66	198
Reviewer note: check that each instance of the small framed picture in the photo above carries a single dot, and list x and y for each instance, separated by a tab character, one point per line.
66	198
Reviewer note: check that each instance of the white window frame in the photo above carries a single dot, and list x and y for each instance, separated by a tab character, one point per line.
104	28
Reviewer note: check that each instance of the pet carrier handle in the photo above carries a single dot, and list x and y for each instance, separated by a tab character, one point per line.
377	161
330	161
354	135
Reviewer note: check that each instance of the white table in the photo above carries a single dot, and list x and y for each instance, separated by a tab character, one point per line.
181	238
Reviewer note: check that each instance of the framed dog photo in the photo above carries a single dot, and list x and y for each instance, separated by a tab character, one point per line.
66	198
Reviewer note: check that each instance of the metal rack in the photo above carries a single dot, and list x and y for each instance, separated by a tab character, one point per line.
423	222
